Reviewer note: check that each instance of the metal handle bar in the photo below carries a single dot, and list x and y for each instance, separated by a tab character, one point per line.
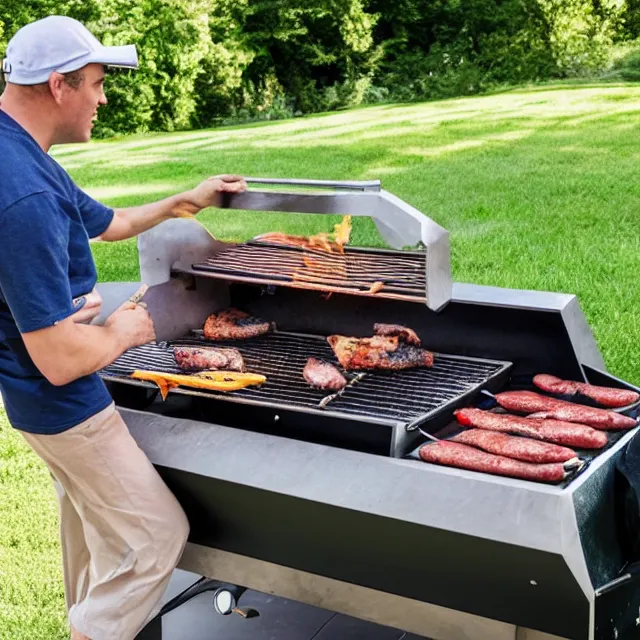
353	185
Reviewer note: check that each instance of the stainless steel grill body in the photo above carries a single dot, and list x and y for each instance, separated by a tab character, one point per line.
444	553
392	399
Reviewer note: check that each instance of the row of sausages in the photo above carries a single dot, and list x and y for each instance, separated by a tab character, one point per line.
551	428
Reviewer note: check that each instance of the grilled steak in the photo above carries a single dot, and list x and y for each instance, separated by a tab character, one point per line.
378	352
564	433
515	447
454	454
211	358
606	396
404	333
323	375
233	324
539	406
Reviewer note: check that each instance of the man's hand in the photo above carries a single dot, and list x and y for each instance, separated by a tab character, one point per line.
132	221
209	193
90	310
133	323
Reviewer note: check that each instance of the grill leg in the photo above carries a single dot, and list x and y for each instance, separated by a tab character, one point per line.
152	631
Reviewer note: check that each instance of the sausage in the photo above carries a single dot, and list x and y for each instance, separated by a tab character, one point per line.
606	396
564	433
539	406
515	446
462	456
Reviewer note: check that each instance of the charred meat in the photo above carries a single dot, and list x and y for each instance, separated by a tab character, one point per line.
605	396
404	333
378	352
233	324
323	375
208	358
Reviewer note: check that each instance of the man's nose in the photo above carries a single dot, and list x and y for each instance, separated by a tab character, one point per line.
103	98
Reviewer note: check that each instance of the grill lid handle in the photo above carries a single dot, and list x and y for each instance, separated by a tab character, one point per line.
352	185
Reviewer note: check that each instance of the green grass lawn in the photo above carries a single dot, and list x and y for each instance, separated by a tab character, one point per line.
538	188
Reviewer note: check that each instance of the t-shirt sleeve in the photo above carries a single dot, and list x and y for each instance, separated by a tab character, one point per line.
95	216
34	262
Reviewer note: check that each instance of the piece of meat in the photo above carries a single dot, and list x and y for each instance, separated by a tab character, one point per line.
568	434
404	333
606	396
378	352
323	375
462	456
208	358
515	447
233	324
539	406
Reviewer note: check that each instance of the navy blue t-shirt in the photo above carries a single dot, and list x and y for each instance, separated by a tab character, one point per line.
45	262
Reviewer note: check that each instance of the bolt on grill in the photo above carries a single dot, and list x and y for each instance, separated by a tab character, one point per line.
385	397
385	274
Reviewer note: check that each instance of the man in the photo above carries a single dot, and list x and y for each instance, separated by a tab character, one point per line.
122	530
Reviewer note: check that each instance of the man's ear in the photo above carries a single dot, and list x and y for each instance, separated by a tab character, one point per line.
57	86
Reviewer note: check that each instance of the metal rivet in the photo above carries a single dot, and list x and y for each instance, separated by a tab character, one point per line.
533	583
276	418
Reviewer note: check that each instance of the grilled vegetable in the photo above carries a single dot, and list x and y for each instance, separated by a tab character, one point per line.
210	380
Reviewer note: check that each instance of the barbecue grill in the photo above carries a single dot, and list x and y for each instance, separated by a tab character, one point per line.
320	498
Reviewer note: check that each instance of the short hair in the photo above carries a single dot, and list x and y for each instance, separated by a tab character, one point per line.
75	79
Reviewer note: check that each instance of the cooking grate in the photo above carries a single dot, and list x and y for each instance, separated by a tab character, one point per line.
391	397
400	275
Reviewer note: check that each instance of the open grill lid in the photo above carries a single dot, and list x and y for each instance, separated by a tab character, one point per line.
419	276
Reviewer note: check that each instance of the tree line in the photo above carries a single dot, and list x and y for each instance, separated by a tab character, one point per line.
207	62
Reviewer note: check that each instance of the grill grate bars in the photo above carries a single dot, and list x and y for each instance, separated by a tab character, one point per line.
400	396
401	275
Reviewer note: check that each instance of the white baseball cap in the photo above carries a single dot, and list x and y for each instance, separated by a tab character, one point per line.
61	44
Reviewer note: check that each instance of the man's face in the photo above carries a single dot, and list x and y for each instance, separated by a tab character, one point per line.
79	105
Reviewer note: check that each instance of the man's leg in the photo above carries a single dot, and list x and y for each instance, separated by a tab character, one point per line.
75	554
134	528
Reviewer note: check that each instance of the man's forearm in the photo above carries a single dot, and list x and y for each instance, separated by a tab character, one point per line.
131	221
78	351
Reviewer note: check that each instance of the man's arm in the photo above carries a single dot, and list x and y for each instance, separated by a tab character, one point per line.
131	221
69	350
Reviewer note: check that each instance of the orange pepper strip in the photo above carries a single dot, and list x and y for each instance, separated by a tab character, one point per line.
211	380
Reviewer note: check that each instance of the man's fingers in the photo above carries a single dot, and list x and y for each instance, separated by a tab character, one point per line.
233	187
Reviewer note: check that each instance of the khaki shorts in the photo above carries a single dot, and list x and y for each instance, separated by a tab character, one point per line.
122	530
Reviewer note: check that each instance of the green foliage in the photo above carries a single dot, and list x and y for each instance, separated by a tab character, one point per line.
447	48
206	62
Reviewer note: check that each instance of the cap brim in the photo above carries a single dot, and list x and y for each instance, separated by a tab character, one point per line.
123	56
